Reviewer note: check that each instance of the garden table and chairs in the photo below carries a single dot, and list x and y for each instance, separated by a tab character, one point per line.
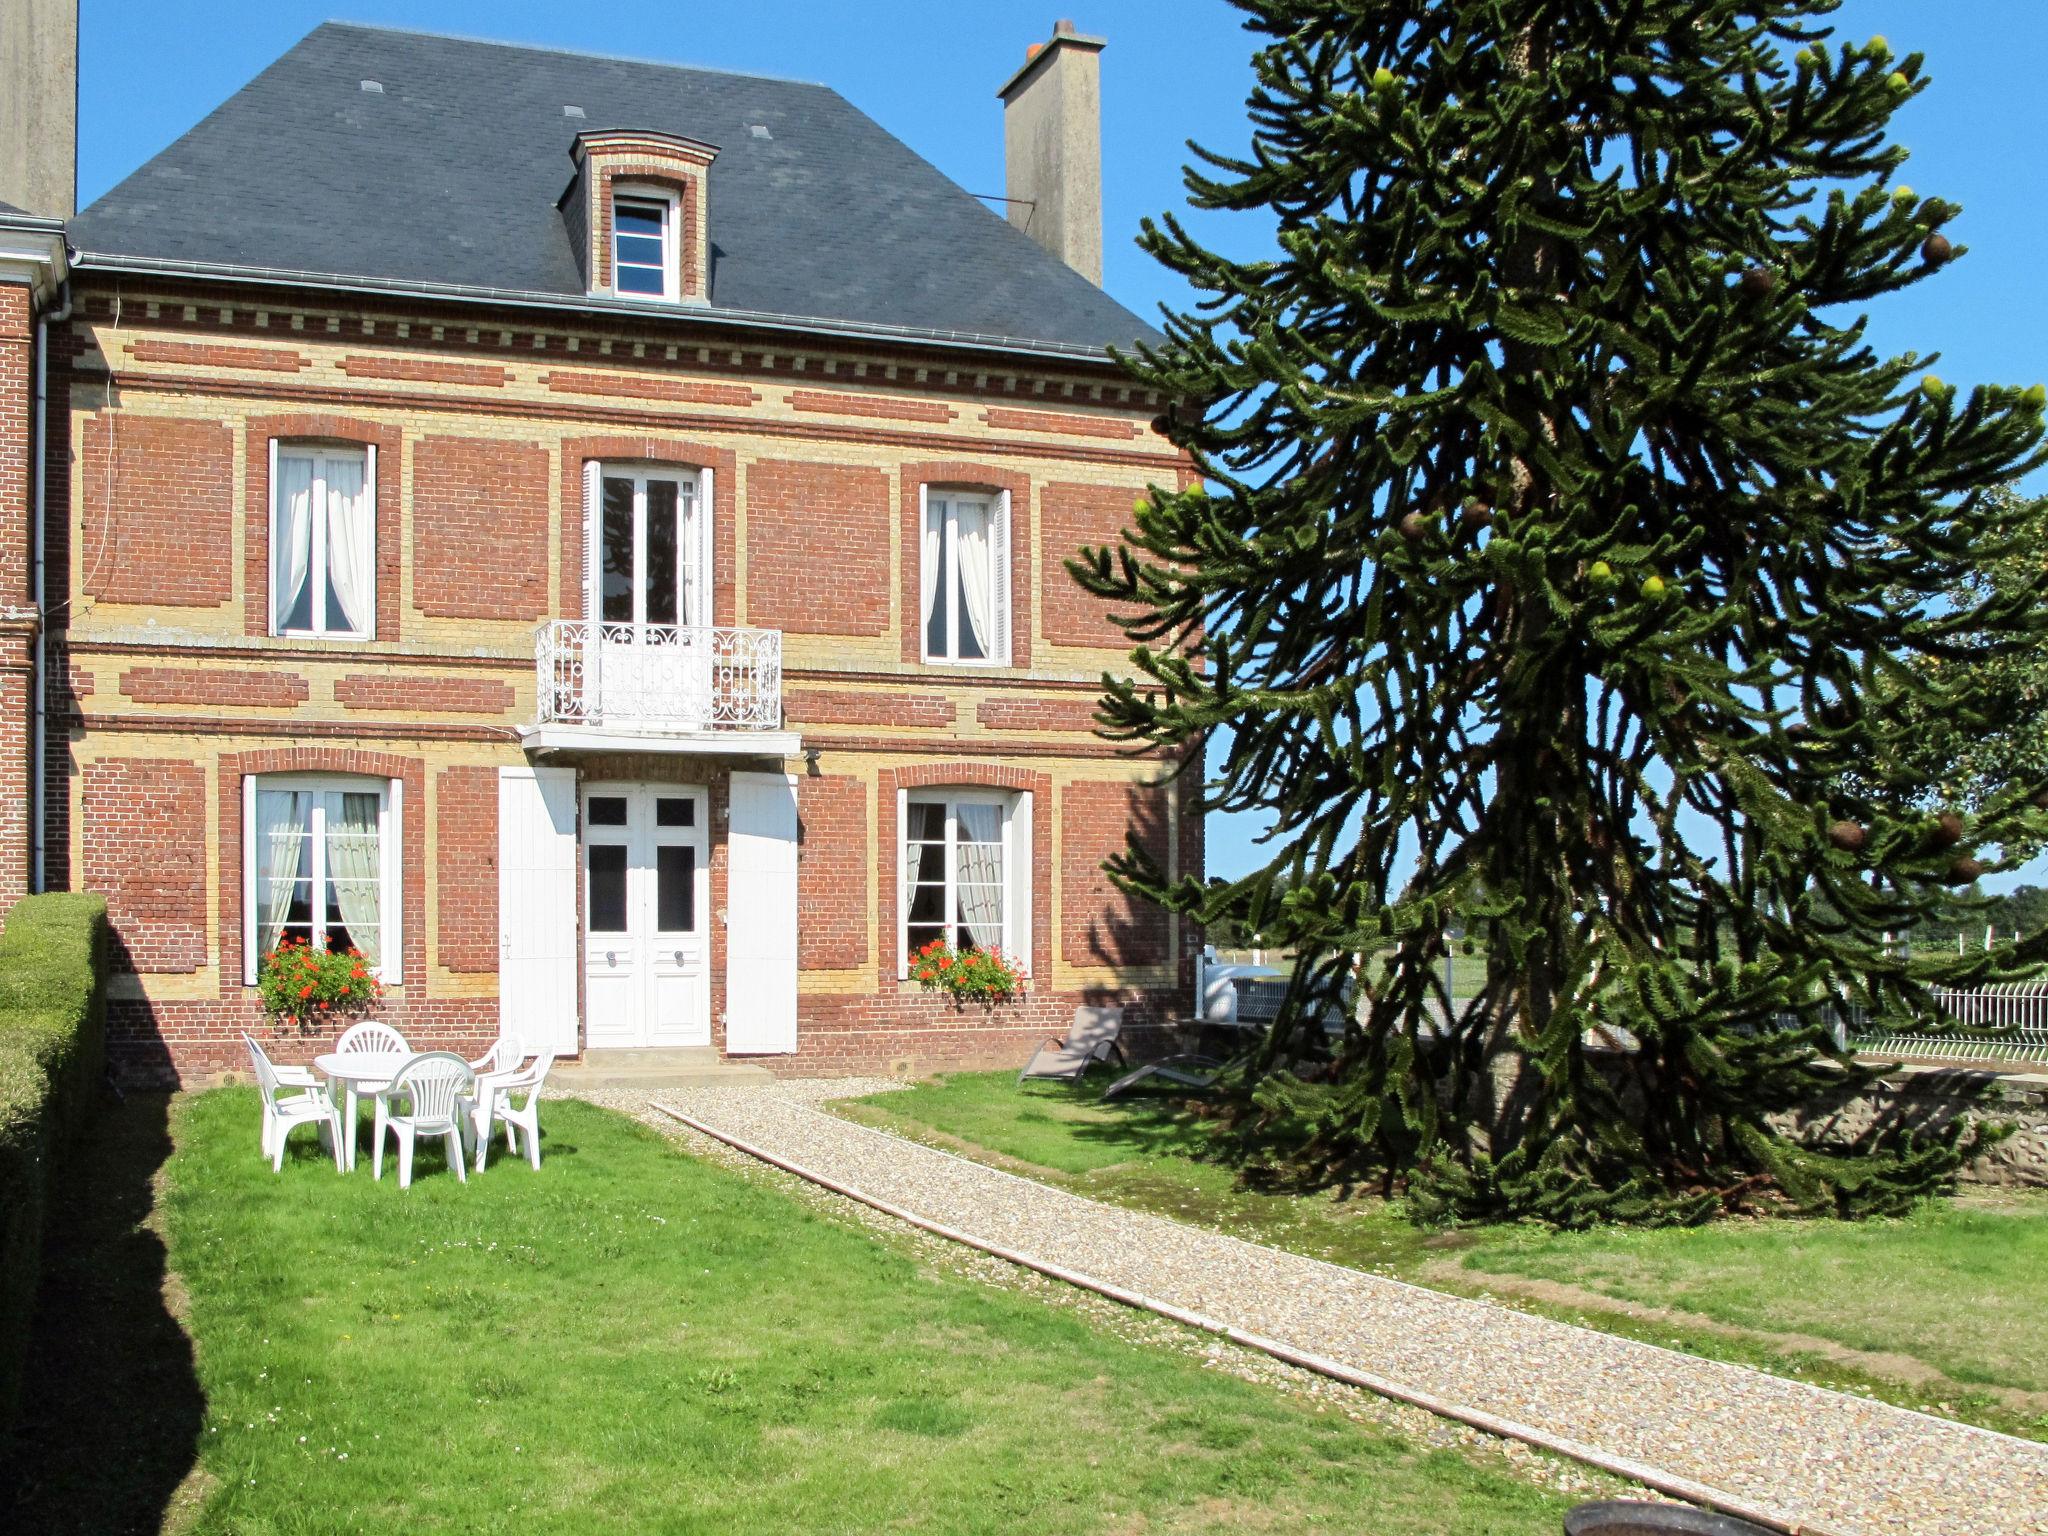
414	1093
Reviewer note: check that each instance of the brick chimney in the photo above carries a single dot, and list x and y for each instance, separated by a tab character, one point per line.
39	106
1052	147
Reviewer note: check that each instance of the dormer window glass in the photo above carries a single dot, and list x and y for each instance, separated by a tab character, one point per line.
644	246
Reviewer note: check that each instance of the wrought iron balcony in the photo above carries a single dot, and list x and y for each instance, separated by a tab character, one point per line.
658	680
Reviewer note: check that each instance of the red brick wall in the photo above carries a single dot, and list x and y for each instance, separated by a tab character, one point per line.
965	474
480	528
847	706
817	548
833	895
440	694
1099	924
1078	515
145	850
159	510
466	868
244	687
1028	714
316	427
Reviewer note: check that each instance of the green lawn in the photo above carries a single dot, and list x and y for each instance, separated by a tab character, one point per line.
1939	1310
634	1340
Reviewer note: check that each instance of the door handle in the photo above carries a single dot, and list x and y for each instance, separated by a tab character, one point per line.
679	957
611	958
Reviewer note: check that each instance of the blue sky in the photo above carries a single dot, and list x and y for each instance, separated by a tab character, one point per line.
1174	70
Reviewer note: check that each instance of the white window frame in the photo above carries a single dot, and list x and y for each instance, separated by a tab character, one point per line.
940	500
1015	806
671	238
322	454
390	830
694	491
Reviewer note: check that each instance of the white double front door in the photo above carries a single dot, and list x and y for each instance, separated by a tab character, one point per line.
646	895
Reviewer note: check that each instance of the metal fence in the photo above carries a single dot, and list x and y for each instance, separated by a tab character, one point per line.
2008	1022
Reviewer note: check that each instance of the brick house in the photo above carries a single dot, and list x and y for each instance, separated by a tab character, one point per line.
587	533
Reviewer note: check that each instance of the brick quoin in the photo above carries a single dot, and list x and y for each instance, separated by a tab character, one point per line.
1076	516
480	528
833	900
965	474
16	635
881	407
1027	714
817	548
466	868
844	706
316	427
277	689
441	695
1099	924
567	381
649	448
159	507
421	370
145	850
203	355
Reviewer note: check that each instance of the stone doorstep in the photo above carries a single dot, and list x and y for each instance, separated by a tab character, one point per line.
690	1067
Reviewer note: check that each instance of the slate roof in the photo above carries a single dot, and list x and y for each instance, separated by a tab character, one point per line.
448	180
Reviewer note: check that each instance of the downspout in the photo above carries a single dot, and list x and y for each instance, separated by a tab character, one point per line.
39	680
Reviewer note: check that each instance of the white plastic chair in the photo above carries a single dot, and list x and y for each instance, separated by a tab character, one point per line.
494	1103
308	1105
371	1038
500	1058
435	1089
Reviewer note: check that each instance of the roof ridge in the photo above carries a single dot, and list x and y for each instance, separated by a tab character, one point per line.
337	23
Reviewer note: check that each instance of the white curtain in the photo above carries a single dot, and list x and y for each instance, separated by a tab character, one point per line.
981	873
355	869
281	825
976	563
352	546
928	568
292	535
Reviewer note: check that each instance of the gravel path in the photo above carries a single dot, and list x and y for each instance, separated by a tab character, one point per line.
1809	1459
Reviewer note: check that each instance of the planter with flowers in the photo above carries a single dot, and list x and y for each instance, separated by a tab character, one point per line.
966	975
307	988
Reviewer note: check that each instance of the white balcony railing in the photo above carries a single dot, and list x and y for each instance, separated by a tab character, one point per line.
657	678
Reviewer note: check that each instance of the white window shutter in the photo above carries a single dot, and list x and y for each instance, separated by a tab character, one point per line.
761	917
593	488
250	860
538	949
1017	937
392	886
700	578
270	544
370	490
1000	578
901	854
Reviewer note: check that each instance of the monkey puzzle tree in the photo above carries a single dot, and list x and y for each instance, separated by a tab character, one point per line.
1559	527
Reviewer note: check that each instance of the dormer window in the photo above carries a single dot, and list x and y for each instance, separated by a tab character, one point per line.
636	215
644	244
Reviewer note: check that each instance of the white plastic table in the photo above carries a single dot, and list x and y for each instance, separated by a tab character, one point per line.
356	1074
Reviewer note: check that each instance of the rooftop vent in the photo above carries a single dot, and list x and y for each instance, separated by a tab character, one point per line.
760	131
570	110
374	85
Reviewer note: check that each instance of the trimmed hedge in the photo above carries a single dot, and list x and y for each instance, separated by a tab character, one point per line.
53	968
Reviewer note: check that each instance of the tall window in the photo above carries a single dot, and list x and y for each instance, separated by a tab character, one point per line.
323	867
966	854
644	245
323	541
964	577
